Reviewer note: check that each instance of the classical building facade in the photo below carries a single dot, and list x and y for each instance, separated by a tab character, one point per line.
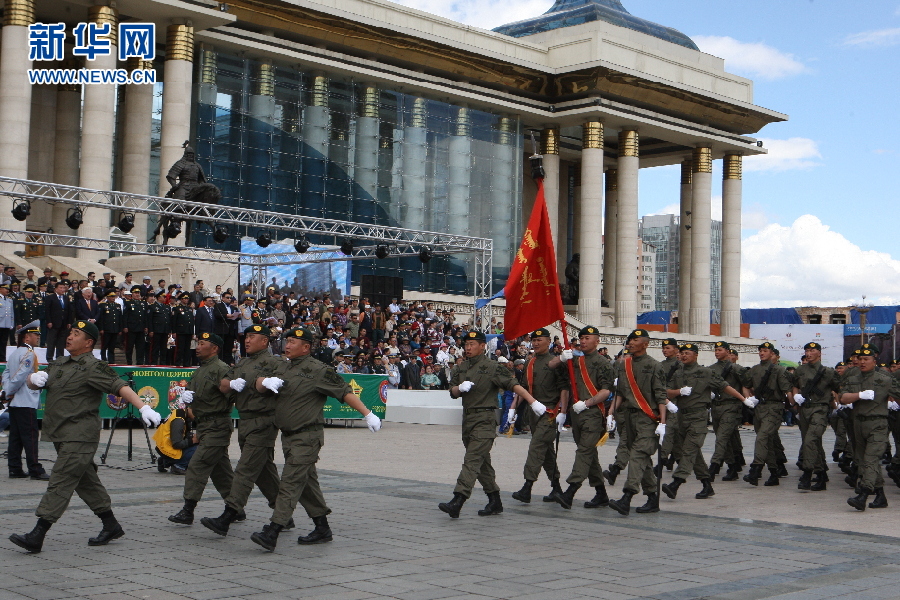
363	110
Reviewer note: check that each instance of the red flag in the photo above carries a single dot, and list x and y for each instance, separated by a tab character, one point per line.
532	291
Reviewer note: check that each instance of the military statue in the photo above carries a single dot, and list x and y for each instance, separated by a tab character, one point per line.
572	279
189	183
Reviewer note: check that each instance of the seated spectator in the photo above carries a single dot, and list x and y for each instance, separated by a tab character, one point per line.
181	440
430	381
360	366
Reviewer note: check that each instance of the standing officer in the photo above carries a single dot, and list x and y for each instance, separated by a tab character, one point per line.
872	392
642	388
183	327
549	384
594	378
136	328
726	417
814	386
110	326
7	318
298	414
72	422
672	366
28	307
159	322
477	381
211	409
22	405
766	385
697	385
257	431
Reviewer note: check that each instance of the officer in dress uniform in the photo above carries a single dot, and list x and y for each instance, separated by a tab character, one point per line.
183	327
28	307
136	328
72	422
307	383
110	326
726	416
22	405
814	386
159	322
478	381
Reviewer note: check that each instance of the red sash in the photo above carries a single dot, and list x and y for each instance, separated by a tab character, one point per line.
591	388
529	376
638	396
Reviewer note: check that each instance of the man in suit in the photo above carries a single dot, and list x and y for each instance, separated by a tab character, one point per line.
204	319
86	308
226	320
59	320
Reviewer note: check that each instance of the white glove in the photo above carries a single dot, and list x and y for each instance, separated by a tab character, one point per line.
893	405
238	384
799	399
686	390
579	406
867	395
566	355
273	383
610	423
538	408
751	401
511	416
845	406
373	422
39	379
465	386
615	382
187	396
661	431
561	422
671	407
150	416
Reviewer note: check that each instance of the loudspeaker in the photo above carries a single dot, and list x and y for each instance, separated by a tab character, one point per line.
381	289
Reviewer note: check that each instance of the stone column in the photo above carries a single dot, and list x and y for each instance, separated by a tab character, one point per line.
67	148
460	162
502	182
366	158
684	253
550	151
627	228
137	125
731	246
591	224
314	133
15	99
611	237
98	126
701	225
41	149
413	148
261	108
176	101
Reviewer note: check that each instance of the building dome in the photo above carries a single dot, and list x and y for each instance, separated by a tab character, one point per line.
566	13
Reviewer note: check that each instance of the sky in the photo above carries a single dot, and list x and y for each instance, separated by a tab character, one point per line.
820	211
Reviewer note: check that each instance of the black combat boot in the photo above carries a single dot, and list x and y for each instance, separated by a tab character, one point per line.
554	487
773	478
268	537
32	541
671	489
600	498
805	480
651	506
782	470
859	502
452	508
185	516
753	476
714	469
111	530
524	495
611	474
707	491
820	482
850	480
623	504
880	500
836	455
221	523
565	499
732	473
242	516
493	507
319	535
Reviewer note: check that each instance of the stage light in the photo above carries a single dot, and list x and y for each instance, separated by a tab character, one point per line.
220	234
172	229
74	218
381	252
301	245
263	239
126	223
21	209
425	254
347	247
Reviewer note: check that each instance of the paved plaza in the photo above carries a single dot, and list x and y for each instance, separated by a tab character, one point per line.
392	542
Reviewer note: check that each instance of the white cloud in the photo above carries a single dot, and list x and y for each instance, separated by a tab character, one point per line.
785	155
752	59
486	14
809	264
879	37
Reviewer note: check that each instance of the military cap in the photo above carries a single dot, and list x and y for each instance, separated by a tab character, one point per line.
867	352
111	292
33	327
540	333
588	330
260	329
721	344
871	347
840	364
896	361
29	287
4	285
689	346
883	365
212	339
670	342
813	346
638	333
88	328
776	351
766	346
475	335
136	290
302	333
158	294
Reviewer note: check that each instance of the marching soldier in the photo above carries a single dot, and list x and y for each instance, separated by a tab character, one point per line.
841	450
765	385
110	326
136	328
642	389
672	366
624	447
726	417
814	386
298	414
28	307
548	384
872	393
183	327
893	469
159	322
477	381
697	385
594	378
72	423
211	408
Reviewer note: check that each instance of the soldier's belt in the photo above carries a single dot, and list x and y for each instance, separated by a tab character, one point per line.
469	411
723	402
869	417
305	428
213	417
694	409
255	415
817	404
